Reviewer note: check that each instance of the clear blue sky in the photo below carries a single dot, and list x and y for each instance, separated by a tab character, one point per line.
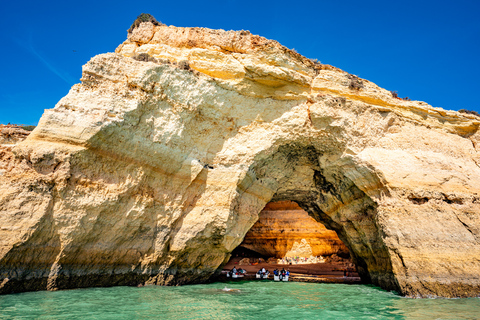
426	50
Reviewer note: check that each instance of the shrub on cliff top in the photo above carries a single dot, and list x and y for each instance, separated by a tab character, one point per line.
355	82
144	17
475	113
394	94
28	128
315	61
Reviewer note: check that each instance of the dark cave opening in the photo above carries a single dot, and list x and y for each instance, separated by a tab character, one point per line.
285	236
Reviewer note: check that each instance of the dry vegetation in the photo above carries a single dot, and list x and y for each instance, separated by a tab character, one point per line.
355	82
144	17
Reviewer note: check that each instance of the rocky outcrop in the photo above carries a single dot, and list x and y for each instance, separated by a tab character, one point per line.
12	134
153	171
283	229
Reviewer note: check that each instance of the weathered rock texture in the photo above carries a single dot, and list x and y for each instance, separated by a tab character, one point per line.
12	134
152	173
284	229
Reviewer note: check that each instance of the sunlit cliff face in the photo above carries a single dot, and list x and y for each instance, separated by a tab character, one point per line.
153	172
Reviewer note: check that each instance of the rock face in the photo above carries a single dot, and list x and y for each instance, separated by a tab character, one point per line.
152	172
283	229
12	134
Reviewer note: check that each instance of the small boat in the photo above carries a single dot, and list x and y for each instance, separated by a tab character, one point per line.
262	275
239	273
280	276
235	275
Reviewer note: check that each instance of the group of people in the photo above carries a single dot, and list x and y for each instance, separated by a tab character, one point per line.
238	271
263	273
282	274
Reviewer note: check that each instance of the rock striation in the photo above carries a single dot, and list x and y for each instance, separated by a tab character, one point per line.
151	171
283	229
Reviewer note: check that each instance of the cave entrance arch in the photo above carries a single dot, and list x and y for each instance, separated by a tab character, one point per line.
333	189
285	236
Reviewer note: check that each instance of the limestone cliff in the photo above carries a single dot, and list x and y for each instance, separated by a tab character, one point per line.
153	171
283	229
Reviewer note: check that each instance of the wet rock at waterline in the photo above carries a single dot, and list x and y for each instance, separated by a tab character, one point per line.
155	166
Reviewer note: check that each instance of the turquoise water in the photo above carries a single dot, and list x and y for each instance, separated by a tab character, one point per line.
253	300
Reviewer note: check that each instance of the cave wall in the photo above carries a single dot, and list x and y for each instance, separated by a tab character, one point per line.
284	229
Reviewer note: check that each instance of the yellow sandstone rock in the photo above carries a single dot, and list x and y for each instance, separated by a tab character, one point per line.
283	230
151	172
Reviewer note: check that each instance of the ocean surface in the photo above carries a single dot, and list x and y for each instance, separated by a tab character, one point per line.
233	300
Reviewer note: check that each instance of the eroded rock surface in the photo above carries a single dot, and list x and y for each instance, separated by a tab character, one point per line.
12	134
153	172
283	229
